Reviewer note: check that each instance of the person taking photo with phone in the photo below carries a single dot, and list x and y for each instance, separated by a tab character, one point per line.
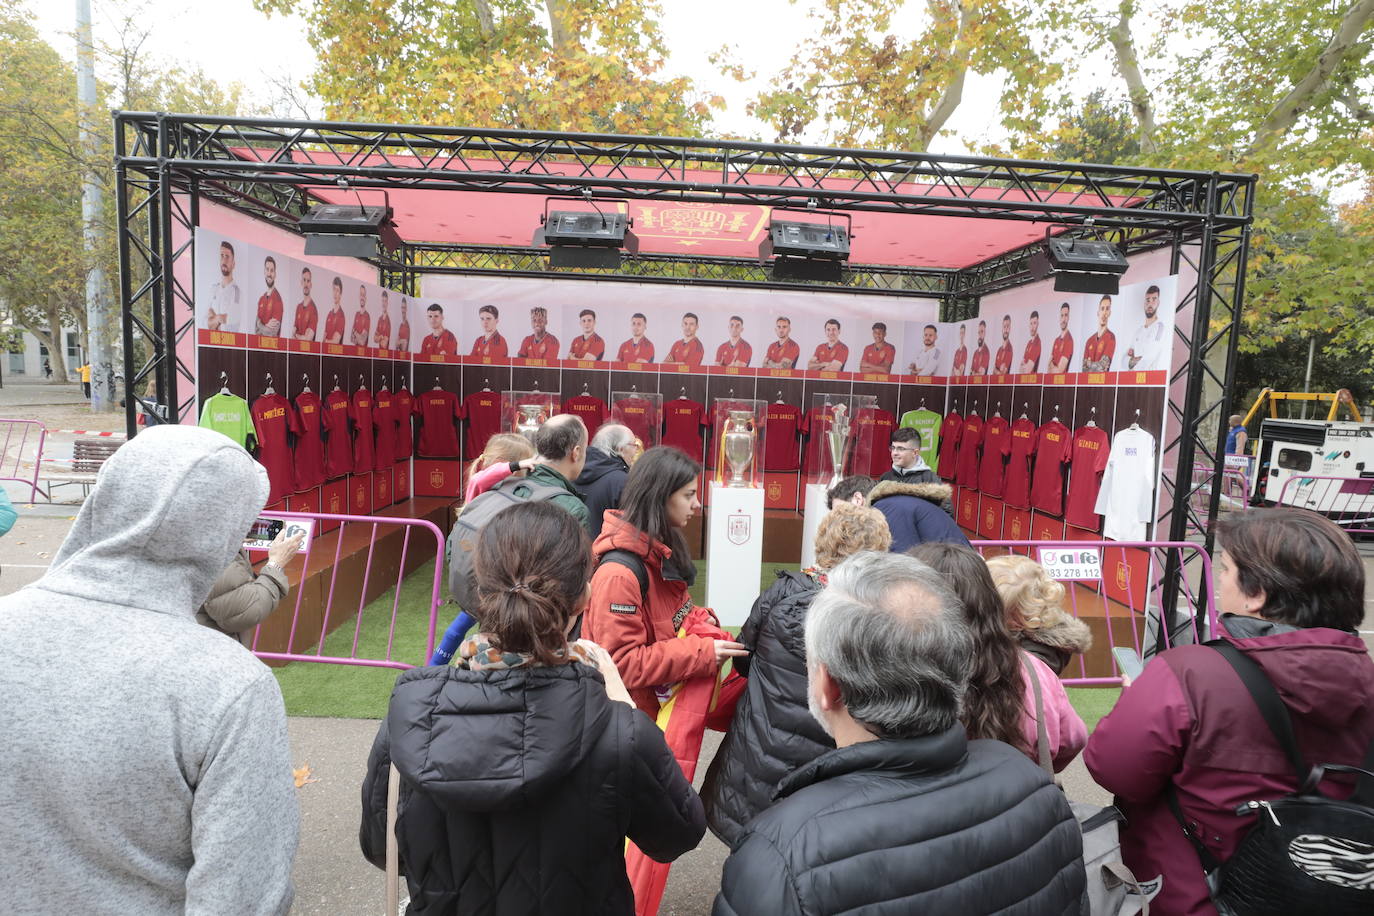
241	598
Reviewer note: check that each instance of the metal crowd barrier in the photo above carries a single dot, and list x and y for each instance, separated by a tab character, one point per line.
24	441
1235	491
329	560
1118	588
1347	501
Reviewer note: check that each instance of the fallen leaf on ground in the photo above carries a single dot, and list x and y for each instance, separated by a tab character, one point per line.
303	775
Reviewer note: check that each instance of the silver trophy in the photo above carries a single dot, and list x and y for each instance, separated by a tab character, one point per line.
837	439
530	418
739	446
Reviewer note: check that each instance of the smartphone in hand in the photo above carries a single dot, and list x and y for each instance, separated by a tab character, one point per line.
1128	661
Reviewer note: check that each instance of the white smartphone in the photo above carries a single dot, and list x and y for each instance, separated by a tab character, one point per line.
1128	660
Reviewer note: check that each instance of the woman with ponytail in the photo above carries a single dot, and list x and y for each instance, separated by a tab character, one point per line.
524	765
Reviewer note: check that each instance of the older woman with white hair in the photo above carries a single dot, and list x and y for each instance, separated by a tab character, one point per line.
613	449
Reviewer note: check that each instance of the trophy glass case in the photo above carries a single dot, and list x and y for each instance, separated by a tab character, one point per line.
642	412
738	441
525	411
839	442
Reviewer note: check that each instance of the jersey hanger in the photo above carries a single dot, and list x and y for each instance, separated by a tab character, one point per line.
778	399
1025	406
1135	424
336	382
1092	419
437	386
224	383
305	377
383	388
486	384
269	389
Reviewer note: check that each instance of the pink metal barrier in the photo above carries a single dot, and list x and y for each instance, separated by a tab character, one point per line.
1347	501
24	441
1235	490
326	563
1114	586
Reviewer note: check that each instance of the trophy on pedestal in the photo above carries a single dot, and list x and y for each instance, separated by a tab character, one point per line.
738	442
529	419
837	441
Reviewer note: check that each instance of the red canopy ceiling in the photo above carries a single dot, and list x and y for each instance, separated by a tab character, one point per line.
674	227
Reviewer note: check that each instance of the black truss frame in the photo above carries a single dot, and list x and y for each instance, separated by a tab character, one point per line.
266	168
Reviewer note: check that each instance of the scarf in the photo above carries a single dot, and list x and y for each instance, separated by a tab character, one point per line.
479	654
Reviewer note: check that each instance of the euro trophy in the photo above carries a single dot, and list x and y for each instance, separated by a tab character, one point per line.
739	446
837	440
530	418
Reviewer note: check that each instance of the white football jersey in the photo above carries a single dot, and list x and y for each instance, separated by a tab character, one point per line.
1126	498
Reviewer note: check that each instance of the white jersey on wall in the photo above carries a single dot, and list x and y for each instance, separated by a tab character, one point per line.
228	300
1126	498
927	362
1149	345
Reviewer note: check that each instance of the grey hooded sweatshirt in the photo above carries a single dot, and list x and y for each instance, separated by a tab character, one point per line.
143	757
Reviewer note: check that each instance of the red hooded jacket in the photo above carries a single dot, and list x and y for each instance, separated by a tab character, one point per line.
639	632
1189	719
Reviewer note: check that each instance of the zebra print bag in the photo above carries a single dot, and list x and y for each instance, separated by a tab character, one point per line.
1306	854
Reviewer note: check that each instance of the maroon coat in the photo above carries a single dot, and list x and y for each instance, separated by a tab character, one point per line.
1189	718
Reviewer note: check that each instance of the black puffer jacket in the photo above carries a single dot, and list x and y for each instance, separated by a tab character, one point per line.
518	789
773	733
601	481
938	824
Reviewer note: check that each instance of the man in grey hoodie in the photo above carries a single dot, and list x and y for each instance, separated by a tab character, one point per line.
144	756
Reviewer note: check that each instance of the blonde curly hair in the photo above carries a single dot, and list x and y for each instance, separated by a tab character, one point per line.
849	529
1031	598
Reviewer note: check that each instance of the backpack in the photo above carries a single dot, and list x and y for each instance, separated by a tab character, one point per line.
462	577
1306	853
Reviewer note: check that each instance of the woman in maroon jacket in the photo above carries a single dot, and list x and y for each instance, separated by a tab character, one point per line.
1290	585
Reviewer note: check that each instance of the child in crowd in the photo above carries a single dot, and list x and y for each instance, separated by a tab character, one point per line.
1035	611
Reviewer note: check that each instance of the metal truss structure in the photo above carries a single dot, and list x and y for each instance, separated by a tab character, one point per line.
165	164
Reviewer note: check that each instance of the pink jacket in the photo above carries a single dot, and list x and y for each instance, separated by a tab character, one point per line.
485	479
1063	727
1189	720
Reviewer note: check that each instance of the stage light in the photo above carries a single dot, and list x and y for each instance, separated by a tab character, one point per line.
586	238
806	251
1080	265
348	231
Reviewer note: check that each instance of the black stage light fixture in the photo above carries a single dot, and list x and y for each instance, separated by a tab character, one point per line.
349	231
1080	265
806	251
586	238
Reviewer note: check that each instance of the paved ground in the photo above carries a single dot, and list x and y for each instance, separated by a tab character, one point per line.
332	878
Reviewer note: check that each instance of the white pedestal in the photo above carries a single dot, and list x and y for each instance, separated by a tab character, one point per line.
812	512
734	552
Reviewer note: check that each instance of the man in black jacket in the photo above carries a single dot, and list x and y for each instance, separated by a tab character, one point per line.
906	814
603	476
907	464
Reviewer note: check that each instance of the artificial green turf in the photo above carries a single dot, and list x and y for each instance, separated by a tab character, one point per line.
347	691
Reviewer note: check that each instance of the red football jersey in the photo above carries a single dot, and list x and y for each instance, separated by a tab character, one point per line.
309	441
970	437
437	410
382	335
980	360
273	418
307	319
334	326
338	451
493	346
363	443
587	347
1052	448
362	327
405	434
947	464
631	352
683	420
544	348
1017	493
996	447
384	418
689	352
591	409
443	345
727	354
270	307
872	438
1032	354
779	351
825	353
403	337
1099	349
639	414
882	356
1002	364
482	411
1089	458
1062	349
960	366
780	452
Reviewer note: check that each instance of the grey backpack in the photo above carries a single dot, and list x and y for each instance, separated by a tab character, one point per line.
462	545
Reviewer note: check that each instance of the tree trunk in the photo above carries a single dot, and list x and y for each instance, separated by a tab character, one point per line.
485	24
1292	106
1129	68
53	342
560	29
954	92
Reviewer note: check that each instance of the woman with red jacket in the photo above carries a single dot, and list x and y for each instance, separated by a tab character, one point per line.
1290	585
639	630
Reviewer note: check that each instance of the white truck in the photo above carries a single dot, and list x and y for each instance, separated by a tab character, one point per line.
1296	459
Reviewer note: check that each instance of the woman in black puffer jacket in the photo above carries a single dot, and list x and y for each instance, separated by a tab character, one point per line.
773	732
525	764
